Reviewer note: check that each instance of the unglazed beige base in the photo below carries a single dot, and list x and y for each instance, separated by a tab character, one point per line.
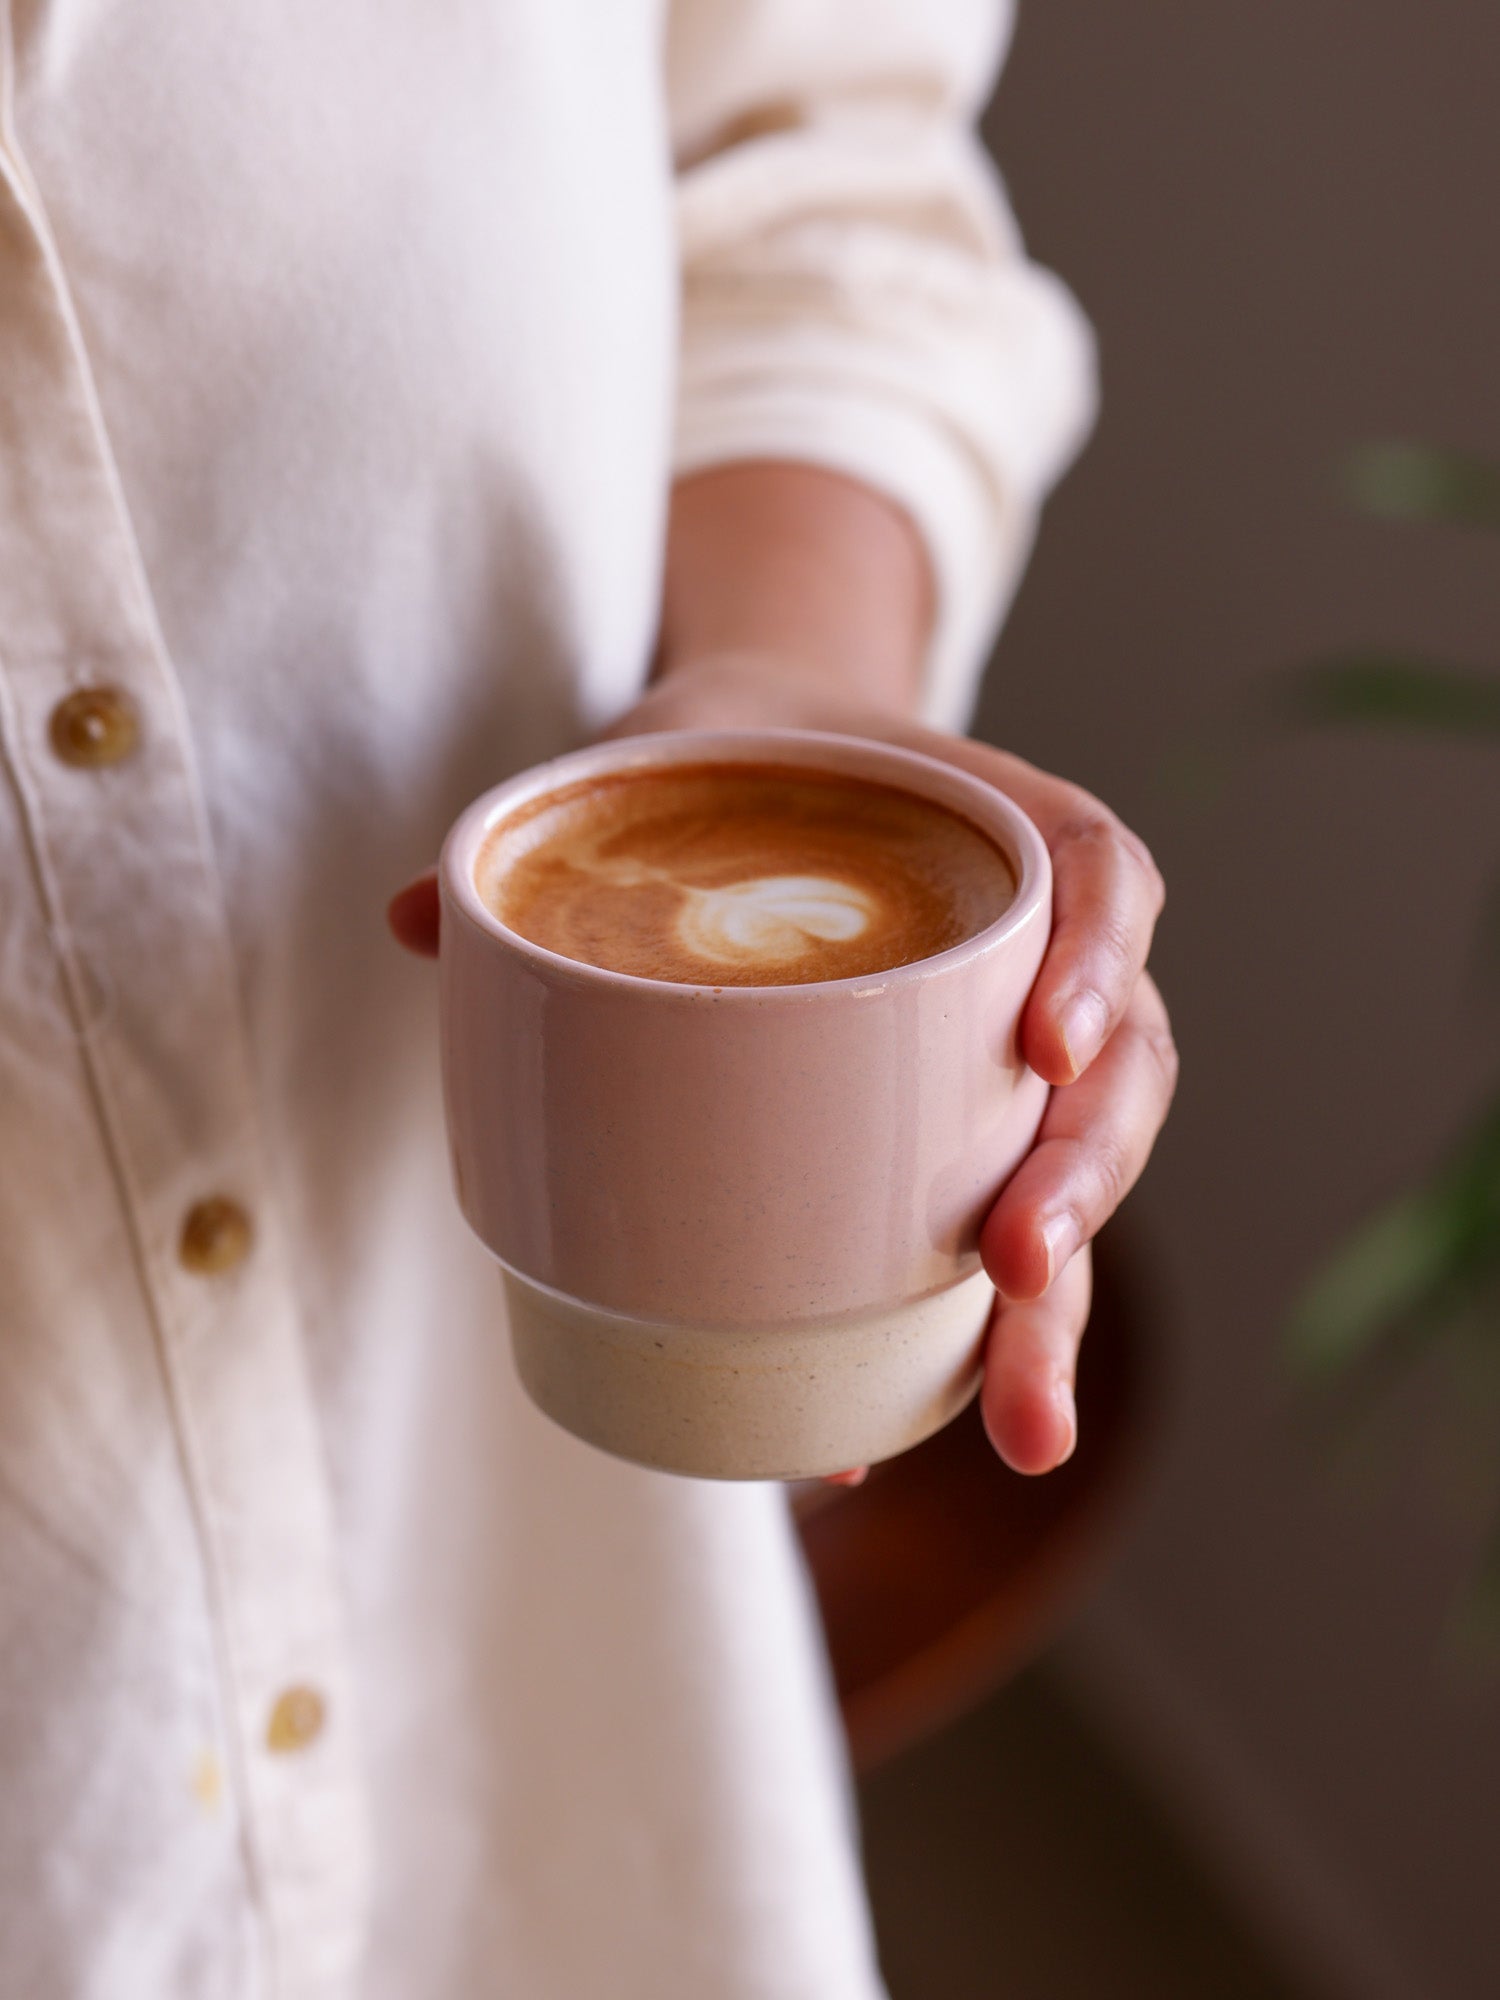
784	1402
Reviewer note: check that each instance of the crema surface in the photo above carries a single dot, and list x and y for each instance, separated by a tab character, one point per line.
742	875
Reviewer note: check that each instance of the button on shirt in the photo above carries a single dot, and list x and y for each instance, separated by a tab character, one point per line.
346	356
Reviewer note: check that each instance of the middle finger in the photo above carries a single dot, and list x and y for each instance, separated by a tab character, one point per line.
1094	1141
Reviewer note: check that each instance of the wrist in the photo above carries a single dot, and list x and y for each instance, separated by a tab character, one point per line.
772	686
808	576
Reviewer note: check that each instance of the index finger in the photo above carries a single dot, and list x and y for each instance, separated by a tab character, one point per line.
1106	897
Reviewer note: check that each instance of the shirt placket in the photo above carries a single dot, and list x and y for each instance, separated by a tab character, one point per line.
99	749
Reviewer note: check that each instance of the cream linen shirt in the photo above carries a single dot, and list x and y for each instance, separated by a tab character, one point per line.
346	352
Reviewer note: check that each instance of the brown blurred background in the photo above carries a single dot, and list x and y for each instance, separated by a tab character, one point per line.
1256	1764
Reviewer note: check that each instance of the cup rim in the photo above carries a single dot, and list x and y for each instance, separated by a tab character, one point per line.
996	815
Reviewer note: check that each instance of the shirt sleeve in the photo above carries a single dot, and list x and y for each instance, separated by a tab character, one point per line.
855	289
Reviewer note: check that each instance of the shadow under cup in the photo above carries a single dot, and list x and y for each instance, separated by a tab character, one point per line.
738	1225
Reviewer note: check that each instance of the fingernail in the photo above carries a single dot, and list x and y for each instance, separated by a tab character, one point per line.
1084	1020
1058	1237
1067	1409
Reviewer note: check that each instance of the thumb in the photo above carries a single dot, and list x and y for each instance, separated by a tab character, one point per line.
412	914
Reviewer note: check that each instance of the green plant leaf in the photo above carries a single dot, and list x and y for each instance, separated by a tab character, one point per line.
1386	1269
1420	1258
1391	690
1420	482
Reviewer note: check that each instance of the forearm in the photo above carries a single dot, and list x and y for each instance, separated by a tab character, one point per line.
802	566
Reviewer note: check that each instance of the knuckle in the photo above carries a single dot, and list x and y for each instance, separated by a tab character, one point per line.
1145	861
1090	828
1104	963
1161	1050
1111	1171
1087	824
1140	858
1114	937
1066	1187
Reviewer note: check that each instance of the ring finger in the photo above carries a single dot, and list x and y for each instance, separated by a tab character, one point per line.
1029	1366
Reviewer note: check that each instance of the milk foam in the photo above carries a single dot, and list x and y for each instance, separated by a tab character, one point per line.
770	920
742	875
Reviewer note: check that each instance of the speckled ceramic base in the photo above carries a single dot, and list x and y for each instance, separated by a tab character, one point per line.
785	1402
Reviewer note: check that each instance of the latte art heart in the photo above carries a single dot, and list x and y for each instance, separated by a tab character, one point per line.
741	875
772	918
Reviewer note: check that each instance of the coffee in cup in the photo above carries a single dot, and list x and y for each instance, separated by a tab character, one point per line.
741	874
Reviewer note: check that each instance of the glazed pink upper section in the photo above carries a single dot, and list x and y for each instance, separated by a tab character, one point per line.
745	1155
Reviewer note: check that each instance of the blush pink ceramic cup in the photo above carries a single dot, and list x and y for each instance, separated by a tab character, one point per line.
738	1226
